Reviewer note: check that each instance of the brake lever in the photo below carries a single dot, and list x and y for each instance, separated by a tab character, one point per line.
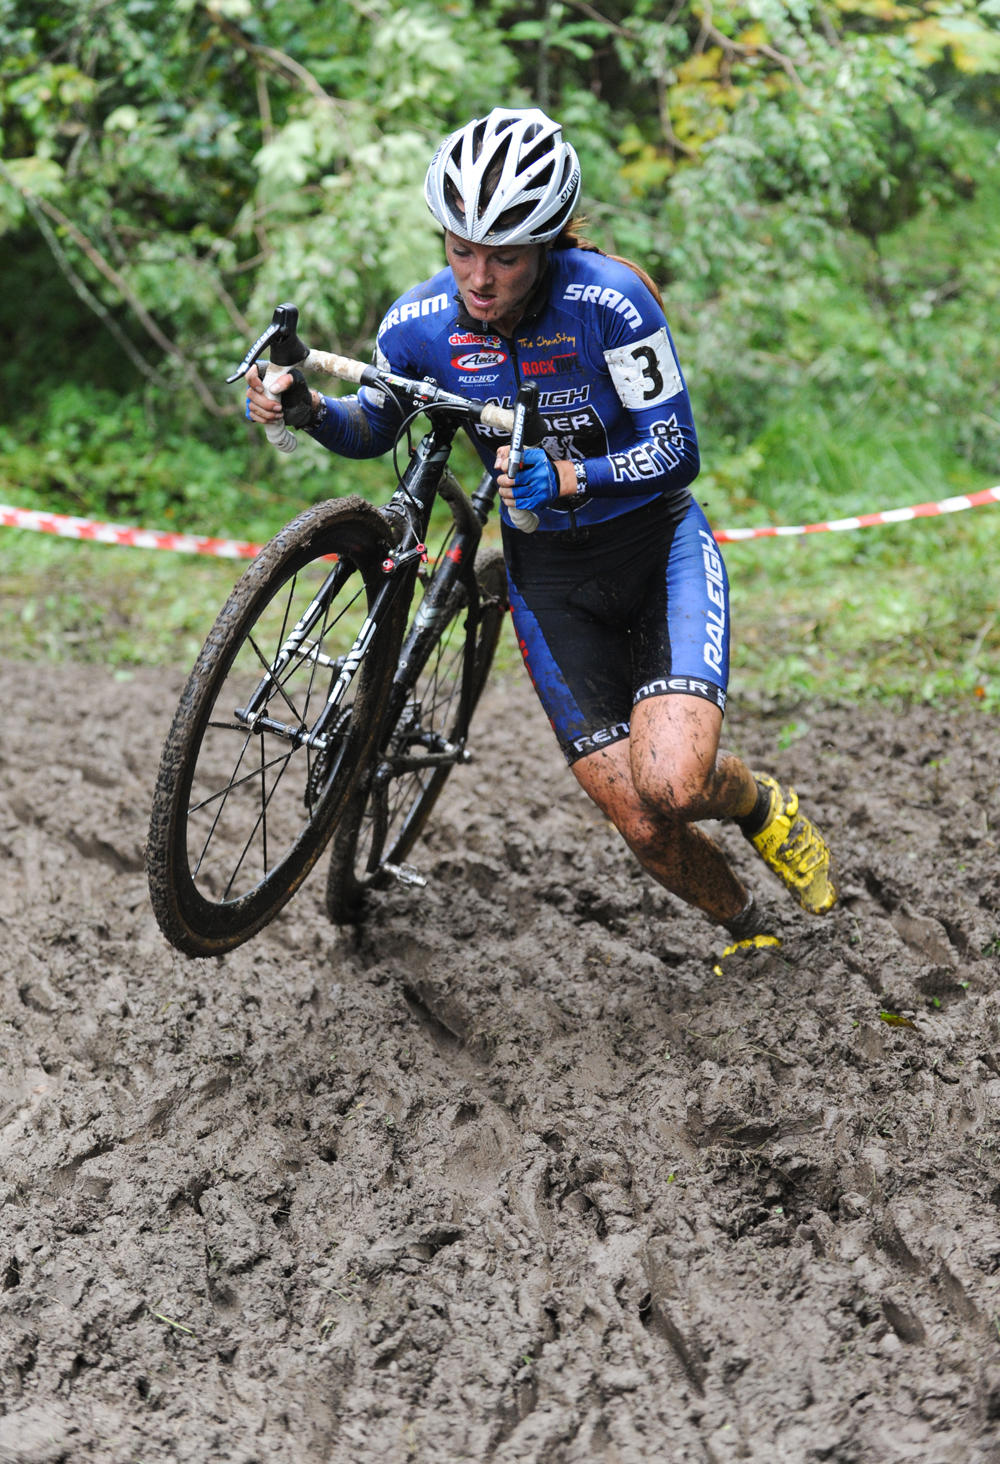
527	399
524	405
284	331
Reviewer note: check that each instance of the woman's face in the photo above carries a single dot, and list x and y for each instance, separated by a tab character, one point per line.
494	281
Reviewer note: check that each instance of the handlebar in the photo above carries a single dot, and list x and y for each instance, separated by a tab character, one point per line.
287	351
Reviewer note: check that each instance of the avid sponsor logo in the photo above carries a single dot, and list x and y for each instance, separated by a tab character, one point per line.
478	360
466	338
554	366
613	299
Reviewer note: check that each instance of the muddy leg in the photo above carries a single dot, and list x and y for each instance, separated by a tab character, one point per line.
657	783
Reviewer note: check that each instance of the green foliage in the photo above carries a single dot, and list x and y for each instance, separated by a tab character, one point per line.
813	182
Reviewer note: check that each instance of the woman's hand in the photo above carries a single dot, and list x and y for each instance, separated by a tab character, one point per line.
540	480
266	409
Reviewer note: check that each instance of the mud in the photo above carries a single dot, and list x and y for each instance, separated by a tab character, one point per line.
508	1173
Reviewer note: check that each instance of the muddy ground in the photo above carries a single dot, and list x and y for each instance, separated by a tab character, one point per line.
508	1173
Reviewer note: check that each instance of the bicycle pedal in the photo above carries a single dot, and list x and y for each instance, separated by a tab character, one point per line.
405	874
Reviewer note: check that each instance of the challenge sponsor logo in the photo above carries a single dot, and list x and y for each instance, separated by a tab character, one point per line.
478	360
413	310
554	366
466	338
613	299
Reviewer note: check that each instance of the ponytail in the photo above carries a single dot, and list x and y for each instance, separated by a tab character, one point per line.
572	237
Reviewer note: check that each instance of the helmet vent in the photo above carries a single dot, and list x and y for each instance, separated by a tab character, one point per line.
511	217
539	151
493	175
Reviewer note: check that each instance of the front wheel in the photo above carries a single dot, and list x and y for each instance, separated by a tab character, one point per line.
389	808
245	801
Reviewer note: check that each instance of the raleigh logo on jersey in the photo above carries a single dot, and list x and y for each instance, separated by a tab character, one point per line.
466	338
478	360
554	366
613	299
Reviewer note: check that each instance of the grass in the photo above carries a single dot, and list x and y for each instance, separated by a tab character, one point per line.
897	613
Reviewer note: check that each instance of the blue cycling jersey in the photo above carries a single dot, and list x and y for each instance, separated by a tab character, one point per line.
611	393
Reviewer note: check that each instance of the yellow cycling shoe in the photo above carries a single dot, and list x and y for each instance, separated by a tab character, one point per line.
796	851
755	943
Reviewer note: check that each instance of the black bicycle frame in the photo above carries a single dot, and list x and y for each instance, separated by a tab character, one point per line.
408	511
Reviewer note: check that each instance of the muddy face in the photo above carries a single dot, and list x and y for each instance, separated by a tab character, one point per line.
508	1173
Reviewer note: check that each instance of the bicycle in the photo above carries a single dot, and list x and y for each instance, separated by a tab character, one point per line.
319	707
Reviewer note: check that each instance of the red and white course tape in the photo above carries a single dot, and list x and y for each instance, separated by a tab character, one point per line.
68	527
864	520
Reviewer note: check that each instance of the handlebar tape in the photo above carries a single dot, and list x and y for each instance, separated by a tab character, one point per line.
330	364
277	433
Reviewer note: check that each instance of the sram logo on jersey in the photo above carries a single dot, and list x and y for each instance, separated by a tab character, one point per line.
554	366
430	305
613	299
478	360
466	338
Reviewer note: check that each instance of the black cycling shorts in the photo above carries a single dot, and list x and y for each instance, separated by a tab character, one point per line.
634	607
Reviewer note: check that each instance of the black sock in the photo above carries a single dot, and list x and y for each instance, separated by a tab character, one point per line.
751	921
753	822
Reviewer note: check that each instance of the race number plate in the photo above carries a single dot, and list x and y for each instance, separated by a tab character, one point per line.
645	373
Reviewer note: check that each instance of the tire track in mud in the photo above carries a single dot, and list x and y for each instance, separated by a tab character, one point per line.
506	1173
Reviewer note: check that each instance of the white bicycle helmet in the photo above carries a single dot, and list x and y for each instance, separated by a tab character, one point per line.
507	179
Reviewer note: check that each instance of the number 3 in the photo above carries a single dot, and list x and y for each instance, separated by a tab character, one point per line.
651	371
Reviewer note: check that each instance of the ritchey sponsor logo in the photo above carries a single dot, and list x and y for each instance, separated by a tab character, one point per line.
478	360
466	338
554	366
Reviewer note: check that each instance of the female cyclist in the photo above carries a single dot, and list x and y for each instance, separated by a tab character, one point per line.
620	599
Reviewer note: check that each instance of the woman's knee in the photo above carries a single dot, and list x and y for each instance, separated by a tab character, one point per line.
675	790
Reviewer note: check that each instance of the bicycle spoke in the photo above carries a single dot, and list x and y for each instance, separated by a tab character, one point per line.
223	792
260	816
222	805
278	685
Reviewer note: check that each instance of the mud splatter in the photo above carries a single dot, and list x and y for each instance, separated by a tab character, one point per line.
507	1173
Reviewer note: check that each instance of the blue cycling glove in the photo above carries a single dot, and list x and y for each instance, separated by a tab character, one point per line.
537	483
